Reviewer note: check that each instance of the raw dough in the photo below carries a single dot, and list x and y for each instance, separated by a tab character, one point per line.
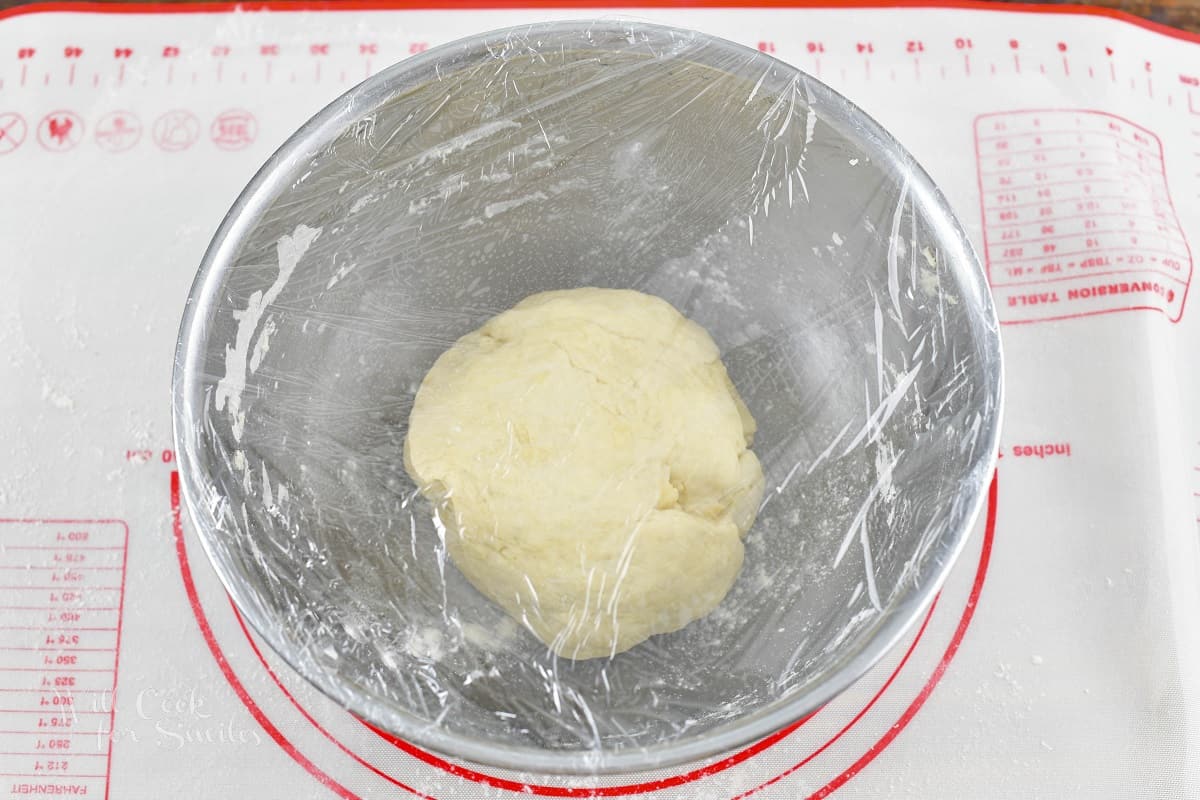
587	454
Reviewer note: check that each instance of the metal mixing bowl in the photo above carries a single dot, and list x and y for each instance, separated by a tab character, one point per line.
850	310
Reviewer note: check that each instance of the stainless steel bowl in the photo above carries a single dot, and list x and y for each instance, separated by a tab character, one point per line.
850	309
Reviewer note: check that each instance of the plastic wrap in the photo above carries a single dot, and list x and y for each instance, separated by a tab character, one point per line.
848	307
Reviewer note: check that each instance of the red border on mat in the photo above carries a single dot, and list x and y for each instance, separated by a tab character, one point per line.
449	5
185	572
894	731
985	558
662	783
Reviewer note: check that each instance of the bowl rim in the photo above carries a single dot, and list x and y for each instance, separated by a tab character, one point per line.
891	626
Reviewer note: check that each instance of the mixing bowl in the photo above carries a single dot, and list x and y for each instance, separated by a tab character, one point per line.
848	305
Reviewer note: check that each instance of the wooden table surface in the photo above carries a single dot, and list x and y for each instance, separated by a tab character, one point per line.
1182	14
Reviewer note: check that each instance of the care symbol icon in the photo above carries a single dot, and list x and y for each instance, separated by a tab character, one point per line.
12	131
118	131
176	130
60	131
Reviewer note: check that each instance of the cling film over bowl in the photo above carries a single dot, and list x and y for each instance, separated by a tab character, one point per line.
586	397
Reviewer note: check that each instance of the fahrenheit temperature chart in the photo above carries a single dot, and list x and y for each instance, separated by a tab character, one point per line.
1078	217
60	622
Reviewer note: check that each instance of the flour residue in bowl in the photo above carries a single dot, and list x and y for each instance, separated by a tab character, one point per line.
230	387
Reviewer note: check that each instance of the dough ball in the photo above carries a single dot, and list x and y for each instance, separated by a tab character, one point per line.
588	457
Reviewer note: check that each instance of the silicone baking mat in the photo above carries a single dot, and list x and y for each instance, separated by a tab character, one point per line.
1060	660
